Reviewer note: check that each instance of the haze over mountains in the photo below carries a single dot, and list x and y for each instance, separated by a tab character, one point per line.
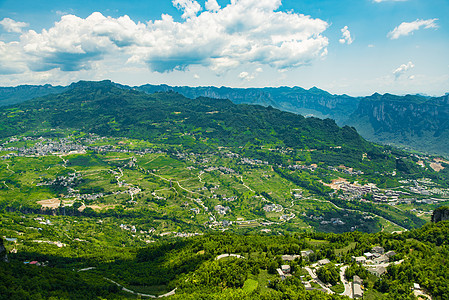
414	122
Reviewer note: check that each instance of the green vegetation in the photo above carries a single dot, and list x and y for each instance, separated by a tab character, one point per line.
190	265
328	274
118	188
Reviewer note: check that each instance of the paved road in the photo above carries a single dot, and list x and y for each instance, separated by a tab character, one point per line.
317	280
348	289
172	292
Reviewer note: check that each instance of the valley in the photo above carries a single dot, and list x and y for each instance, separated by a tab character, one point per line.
113	193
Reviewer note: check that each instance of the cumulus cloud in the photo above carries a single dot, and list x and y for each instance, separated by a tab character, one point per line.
247	76
402	69
407	28
346	36
189	7
212	5
243	32
13	26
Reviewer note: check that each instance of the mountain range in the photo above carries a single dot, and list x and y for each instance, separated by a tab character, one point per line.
414	122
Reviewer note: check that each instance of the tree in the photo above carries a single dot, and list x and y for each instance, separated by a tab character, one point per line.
328	274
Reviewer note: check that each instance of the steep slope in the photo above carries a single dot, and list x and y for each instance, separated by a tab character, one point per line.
411	121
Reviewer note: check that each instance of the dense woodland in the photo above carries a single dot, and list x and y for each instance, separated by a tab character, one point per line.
189	265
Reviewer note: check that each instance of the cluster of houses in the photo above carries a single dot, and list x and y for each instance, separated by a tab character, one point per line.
249	161
133	229
57	243
352	191
36	263
345	170
284	271
292	257
66	181
273	207
287	217
312	167
43	147
376	260
222	210
333	221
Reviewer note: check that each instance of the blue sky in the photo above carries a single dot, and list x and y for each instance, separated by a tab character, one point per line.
356	47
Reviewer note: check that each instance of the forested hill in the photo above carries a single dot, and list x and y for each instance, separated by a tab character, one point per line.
412	121
102	108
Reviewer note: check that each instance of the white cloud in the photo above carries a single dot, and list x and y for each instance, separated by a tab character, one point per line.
13	26
212	5
346	36
190	7
402	69
196	76
407	28
243	32
245	75
11	61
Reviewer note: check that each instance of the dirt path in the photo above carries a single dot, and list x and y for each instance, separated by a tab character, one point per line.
241	178
199	176
7	168
172	292
177	182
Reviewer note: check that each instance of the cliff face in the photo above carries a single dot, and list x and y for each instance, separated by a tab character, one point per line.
415	121
312	102
440	214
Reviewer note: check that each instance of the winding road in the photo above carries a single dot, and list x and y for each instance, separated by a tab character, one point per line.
172	292
347	284
317	280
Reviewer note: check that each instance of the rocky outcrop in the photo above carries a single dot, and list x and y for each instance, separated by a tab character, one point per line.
440	214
